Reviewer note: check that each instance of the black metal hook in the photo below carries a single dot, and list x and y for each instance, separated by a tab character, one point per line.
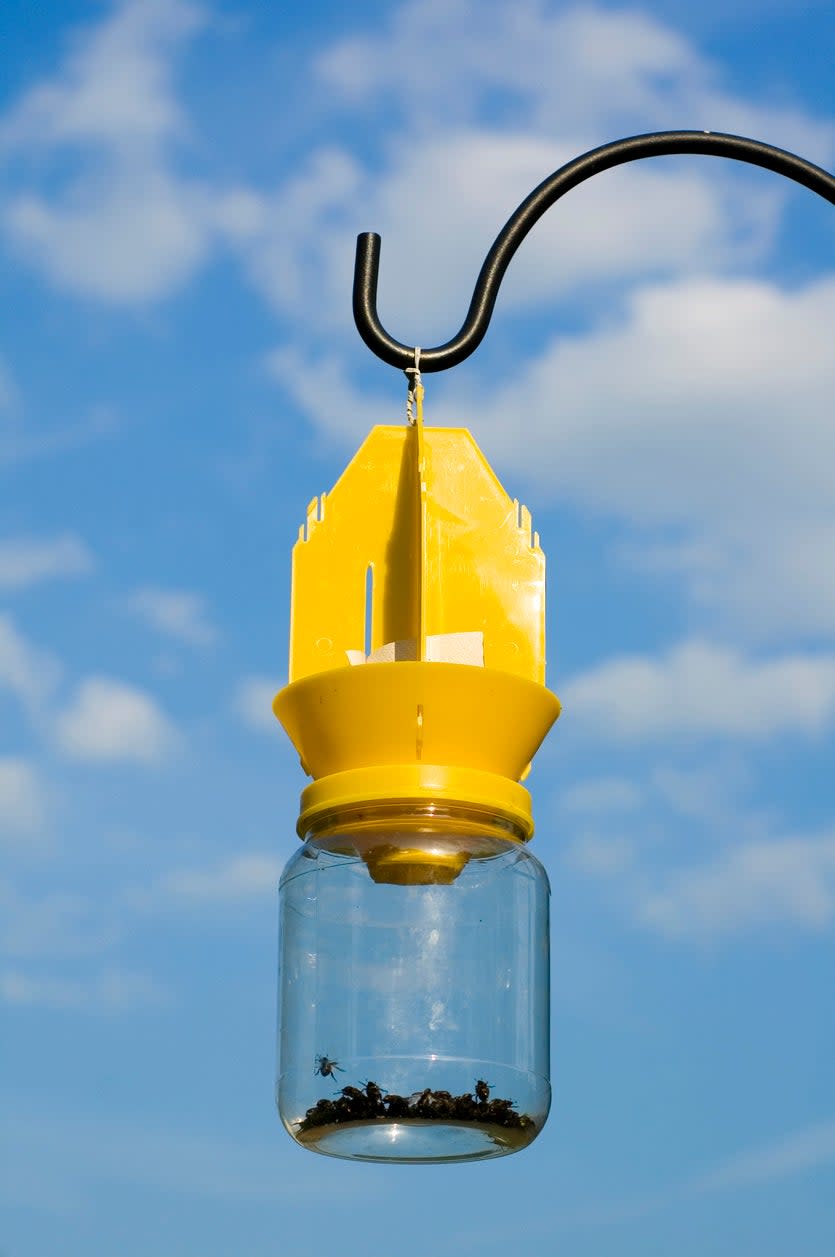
531	210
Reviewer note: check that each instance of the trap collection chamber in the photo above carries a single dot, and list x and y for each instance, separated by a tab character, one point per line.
414	941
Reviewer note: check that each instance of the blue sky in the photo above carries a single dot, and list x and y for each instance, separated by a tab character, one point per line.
180	189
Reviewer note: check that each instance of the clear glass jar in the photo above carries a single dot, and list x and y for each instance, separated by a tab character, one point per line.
414	989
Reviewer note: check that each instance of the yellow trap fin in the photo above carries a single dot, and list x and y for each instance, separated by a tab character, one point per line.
418	554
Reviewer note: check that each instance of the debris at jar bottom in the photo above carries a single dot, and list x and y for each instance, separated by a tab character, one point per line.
371	1104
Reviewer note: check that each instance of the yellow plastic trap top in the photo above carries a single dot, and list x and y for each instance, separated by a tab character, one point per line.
417	644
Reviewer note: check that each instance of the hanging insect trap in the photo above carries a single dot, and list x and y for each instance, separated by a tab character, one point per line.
414	965
414	921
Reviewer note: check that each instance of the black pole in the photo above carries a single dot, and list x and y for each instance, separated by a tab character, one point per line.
474	327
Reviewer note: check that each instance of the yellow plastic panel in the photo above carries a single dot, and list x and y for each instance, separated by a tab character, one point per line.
448	550
484	568
370	520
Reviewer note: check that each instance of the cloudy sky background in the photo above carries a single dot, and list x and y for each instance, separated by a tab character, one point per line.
180	189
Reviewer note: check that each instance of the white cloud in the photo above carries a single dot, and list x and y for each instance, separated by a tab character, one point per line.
253	702
741	873
571	68
536	55
18	445
707	794
28	673
755	885
114	85
767	576
120	223
601	856
602	794
109	720
25	561
84	245
709	395
323	391
111	991
702	690
176	613
793	1154
296	251
22	798
56	924
244	878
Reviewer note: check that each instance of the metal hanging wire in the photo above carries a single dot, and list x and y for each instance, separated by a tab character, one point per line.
414	396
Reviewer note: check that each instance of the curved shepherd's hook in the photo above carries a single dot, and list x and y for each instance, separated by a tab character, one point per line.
531	210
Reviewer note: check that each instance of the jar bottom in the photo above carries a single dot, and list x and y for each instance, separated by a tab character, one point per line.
411	1141
433	1108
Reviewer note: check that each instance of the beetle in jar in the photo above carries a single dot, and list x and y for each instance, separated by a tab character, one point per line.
325	1067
